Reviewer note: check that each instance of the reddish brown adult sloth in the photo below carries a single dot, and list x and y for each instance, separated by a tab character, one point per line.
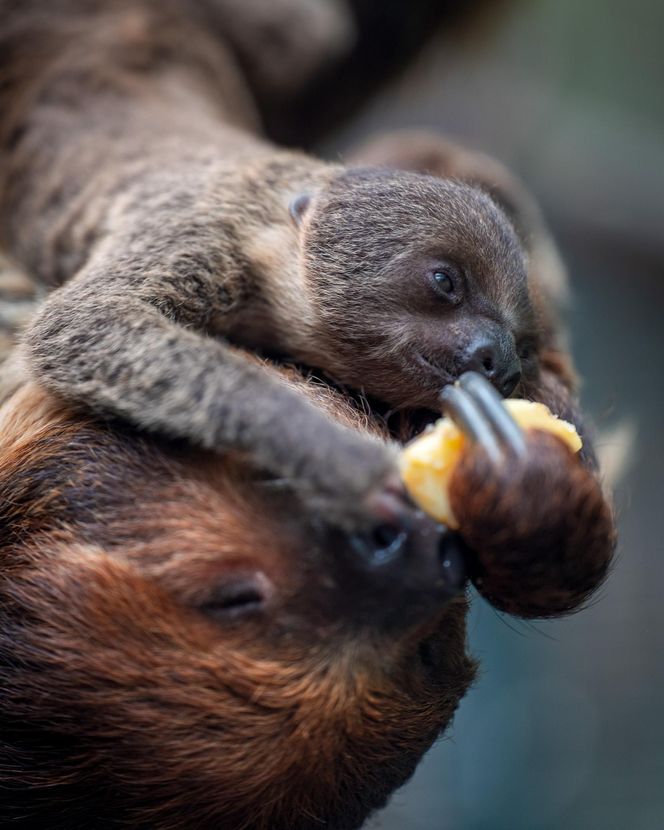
181	648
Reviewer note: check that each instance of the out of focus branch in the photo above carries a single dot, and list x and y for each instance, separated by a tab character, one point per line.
390	35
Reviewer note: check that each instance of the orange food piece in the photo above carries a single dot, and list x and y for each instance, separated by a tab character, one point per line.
428	462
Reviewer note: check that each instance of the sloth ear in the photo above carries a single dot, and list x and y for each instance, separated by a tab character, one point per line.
298	207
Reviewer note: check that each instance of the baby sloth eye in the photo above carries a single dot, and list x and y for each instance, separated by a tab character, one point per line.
447	283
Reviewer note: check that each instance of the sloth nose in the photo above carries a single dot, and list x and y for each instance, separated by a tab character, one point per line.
410	568
497	360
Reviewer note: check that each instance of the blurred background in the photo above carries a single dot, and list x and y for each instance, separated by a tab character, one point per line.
565	727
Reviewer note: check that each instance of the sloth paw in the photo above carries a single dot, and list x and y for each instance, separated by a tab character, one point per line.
539	530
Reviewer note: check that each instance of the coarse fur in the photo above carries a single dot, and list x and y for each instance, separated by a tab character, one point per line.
201	639
134	694
165	228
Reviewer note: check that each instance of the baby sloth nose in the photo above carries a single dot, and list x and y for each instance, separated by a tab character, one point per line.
496	359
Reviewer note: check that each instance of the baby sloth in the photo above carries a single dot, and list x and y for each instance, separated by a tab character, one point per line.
390	282
177	244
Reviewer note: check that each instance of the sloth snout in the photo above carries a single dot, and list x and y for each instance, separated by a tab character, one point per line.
494	357
411	568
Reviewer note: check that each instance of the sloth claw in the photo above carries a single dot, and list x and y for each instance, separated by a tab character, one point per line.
477	409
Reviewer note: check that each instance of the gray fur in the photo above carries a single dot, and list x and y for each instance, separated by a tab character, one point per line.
136	188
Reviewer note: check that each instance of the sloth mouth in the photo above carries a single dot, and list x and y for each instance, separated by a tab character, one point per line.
440	373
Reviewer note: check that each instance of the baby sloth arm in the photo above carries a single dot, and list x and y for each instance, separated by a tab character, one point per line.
139	333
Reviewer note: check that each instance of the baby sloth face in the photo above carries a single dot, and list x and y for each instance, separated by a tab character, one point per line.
416	280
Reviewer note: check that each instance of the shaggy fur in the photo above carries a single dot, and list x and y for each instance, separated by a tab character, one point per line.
191	638
168	222
134	693
538	532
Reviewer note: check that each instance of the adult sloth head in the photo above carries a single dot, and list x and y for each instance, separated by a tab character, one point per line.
178	649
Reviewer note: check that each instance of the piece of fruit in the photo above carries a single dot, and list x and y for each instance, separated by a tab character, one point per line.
427	463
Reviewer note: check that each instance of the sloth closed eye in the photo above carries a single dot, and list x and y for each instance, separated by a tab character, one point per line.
237	597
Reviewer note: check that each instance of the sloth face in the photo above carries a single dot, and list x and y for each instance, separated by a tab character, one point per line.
415	280
179	640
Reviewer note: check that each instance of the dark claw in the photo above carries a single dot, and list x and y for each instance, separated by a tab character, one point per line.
467	415
490	403
477	409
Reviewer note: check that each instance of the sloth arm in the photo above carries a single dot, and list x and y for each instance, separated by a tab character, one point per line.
113	196
130	335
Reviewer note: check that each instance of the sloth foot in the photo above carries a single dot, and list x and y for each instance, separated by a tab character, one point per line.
538	530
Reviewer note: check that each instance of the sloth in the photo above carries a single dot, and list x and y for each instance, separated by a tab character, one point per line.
175	241
219	608
179	649
393	283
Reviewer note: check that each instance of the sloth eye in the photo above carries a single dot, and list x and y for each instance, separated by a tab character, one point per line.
444	281
237	598
447	283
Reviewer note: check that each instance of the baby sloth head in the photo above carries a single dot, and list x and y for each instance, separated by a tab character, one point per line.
413	281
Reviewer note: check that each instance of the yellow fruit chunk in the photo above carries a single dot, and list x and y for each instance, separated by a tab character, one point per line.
427	463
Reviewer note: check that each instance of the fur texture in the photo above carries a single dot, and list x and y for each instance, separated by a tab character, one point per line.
193	638
166	225
134	695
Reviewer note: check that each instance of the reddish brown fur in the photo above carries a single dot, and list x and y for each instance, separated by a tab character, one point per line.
126	699
540	530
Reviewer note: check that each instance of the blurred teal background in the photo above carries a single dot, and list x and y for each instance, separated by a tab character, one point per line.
565	728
